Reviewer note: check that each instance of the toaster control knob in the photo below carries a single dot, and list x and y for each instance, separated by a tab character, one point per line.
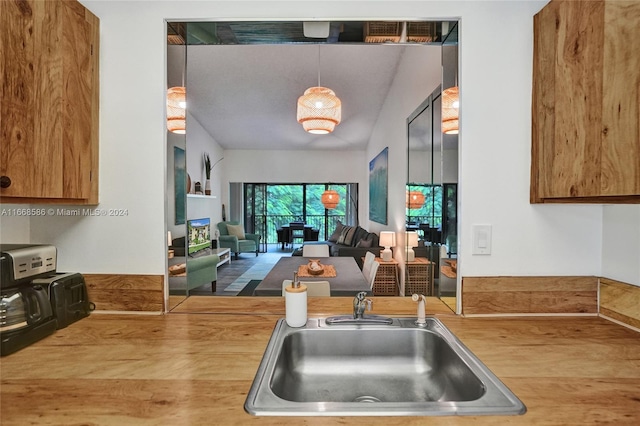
5	181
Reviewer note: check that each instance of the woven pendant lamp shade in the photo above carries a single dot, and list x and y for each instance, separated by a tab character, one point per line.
319	110
176	110
450	105
415	199
330	199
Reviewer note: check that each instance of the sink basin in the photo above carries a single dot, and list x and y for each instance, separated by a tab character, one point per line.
363	370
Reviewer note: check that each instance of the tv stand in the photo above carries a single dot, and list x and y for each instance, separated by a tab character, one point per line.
224	254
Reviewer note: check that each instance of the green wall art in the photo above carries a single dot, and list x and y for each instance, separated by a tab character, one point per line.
378	187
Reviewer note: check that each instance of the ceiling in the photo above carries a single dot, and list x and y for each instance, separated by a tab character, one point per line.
244	93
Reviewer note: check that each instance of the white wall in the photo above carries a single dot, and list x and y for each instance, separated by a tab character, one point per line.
407	92
621	243
495	81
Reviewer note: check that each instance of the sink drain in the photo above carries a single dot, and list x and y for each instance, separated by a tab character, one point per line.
366	398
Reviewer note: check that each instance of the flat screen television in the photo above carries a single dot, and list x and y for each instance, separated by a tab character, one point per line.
198	235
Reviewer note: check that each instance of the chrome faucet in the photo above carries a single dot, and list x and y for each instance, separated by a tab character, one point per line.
360	302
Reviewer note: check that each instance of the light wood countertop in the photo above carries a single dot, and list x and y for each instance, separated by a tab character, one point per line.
196	369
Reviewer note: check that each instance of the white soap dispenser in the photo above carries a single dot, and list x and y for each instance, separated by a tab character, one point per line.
295	299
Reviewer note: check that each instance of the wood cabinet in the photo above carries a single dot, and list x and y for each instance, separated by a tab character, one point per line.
49	95
586	102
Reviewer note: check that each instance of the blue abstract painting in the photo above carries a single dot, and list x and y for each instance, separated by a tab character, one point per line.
378	181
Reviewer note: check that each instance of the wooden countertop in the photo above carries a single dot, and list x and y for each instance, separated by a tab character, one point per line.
196	369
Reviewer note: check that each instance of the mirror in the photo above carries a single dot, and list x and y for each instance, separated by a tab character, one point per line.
177	185
431	198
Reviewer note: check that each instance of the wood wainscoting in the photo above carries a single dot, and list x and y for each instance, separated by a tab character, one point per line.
530	295
620	301
125	292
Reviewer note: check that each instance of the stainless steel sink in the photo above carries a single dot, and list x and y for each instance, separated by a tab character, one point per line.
400	369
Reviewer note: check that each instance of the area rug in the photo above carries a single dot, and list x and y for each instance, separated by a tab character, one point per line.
256	272
248	289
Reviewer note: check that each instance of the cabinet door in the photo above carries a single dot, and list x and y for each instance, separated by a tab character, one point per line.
49	101
586	85
567	99
620	147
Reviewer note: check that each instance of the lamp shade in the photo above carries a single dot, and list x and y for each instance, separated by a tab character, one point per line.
319	110
177	110
412	239
387	239
330	199
450	108
415	199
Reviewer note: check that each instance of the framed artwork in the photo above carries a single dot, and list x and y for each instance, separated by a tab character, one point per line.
378	181
180	184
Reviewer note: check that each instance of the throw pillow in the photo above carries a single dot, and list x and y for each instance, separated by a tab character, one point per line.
346	236
364	243
336	234
236	230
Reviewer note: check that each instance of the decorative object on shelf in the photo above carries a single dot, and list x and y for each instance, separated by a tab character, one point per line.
315	267
319	109
198	188
188	184
450	108
207	170
412	241
330	199
387	240
177	110
415	199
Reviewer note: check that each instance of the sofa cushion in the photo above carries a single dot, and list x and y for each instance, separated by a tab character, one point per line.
236	230
365	243
346	235
336	233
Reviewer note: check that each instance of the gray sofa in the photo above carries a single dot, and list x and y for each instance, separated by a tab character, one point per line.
352	241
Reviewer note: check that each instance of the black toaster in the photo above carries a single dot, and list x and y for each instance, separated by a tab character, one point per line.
68	296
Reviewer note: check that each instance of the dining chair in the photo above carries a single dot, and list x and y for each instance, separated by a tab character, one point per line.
314	288
315	250
372	274
296	230
369	260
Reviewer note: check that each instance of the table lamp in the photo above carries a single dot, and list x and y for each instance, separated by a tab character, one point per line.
412	241
387	240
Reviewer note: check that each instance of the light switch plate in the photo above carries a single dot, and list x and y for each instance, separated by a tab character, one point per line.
481	239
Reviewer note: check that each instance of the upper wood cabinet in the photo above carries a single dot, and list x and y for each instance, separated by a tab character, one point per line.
49	96
586	102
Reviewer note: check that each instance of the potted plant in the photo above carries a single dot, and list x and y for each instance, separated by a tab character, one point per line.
207	171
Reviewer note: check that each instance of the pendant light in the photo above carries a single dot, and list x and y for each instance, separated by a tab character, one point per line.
415	199
177	104
319	109
176	110
450	108
330	199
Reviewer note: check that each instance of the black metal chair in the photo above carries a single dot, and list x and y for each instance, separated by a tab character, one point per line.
296	232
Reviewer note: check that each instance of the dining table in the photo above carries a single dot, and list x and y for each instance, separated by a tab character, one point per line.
348	279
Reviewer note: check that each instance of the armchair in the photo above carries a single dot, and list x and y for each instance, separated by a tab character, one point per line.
234	241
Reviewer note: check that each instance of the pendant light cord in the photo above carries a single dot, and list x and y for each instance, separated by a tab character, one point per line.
318	64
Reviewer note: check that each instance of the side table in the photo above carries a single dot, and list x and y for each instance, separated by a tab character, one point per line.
419	277
386	281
